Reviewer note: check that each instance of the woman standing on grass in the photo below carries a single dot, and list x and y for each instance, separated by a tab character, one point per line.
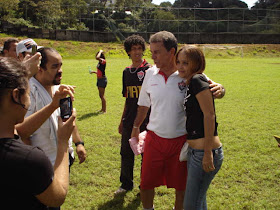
205	153
101	78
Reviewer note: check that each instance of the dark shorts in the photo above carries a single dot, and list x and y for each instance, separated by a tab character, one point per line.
101	82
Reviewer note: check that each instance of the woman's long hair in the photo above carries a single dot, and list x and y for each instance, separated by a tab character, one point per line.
12	75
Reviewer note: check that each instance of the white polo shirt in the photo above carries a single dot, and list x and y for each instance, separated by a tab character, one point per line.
43	137
166	99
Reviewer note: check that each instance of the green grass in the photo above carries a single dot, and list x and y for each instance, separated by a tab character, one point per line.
248	117
87	50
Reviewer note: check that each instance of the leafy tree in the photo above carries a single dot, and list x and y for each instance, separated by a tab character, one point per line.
163	19
129	3
267	4
71	12
210	3
8	8
49	14
165	4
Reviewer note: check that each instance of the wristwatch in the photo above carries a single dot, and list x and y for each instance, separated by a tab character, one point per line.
80	142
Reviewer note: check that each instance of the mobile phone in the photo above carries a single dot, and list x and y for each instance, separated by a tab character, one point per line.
66	108
34	49
277	139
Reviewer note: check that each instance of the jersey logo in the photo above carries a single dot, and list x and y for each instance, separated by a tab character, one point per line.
140	75
133	91
182	85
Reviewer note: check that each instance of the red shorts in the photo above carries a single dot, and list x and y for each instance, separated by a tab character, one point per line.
161	165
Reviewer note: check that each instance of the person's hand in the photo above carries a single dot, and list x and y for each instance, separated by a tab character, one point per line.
120	127
217	89
207	161
81	152
32	63
65	129
62	92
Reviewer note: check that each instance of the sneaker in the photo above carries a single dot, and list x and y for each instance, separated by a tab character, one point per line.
120	191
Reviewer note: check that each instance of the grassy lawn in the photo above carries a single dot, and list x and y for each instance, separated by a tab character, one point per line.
248	117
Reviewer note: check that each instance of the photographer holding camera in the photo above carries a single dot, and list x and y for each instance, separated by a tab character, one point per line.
29	181
45	92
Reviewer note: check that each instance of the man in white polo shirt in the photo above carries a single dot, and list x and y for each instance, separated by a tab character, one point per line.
163	90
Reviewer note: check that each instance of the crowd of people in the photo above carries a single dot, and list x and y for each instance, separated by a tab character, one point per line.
173	100
36	142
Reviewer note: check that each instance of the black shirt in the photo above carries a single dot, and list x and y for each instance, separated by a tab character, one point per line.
132	83
101	66
195	117
25	172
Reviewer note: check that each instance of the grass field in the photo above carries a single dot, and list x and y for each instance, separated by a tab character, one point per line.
248	117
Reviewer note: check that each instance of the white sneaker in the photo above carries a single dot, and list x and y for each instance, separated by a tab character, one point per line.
120	191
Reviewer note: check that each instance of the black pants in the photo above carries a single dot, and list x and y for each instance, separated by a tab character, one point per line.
127	161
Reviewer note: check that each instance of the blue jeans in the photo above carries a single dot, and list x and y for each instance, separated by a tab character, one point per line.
198	180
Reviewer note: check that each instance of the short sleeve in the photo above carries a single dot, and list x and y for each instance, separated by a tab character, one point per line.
198	83
144	97
40	172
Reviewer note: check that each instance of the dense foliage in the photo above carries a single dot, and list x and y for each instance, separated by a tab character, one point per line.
143	15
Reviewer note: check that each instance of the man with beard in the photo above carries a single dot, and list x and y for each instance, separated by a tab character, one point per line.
44	88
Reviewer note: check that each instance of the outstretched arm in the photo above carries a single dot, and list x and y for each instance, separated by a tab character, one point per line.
35	121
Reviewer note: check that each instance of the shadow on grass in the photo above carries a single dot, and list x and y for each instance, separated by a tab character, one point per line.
117	203
88	115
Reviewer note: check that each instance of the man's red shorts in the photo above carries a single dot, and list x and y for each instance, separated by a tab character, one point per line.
161	165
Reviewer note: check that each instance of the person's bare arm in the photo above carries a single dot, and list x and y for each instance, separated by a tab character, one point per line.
121	122
55	194
205	100
98	55
80	149
140	117
32	63
35	121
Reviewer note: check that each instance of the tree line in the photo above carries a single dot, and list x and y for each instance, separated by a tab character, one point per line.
143	15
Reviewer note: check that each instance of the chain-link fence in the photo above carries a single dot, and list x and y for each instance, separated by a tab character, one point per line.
180	20
189	25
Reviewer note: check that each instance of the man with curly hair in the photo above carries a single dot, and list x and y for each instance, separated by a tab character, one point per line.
133	77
